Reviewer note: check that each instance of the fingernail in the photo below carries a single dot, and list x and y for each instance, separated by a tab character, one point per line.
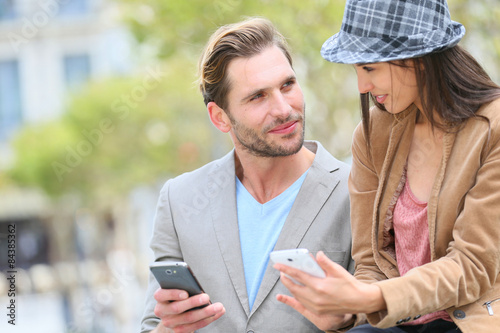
183	295
204	299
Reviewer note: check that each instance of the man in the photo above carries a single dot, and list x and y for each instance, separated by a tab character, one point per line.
271	192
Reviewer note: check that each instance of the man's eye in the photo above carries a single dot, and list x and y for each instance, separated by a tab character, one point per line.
256	97
368	69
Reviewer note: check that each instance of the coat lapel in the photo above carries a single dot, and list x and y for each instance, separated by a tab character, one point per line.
432	206
316	189
222	189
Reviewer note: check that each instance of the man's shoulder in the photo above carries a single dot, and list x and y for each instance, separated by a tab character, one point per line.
220	168
326	160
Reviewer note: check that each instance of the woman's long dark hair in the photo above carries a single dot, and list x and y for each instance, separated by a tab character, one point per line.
453	85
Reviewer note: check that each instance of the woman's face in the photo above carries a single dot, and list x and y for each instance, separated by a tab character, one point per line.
393	86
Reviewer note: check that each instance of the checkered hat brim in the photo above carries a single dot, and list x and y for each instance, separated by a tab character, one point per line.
385	30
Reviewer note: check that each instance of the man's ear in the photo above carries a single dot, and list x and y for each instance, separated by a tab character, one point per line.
218	117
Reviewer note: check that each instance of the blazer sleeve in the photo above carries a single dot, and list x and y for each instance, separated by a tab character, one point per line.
165	246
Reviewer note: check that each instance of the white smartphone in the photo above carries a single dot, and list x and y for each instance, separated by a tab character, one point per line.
300	259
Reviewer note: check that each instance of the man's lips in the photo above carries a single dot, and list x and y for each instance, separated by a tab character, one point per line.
285	128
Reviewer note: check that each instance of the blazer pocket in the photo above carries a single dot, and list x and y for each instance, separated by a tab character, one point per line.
337	256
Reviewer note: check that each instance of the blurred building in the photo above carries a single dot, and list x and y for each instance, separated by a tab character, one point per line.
48	50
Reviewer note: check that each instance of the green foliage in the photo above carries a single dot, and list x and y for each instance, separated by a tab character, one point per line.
181	28
108	143
482	37
186	25
117	134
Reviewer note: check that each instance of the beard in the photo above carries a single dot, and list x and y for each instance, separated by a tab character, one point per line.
257	143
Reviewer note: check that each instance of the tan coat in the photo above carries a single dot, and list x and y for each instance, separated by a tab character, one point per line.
463	218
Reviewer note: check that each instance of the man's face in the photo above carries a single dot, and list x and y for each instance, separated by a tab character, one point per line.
265	105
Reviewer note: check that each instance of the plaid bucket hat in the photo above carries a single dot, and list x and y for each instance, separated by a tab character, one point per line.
384	30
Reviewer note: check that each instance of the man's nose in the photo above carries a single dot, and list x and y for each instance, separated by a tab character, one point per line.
280	105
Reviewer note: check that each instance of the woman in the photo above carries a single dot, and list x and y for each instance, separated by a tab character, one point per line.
424	184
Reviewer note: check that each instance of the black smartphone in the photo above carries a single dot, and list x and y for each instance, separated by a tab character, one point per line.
176	275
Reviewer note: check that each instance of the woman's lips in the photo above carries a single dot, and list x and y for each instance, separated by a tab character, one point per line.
381	98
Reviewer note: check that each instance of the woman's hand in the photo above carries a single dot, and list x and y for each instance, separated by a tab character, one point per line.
324	322
336	296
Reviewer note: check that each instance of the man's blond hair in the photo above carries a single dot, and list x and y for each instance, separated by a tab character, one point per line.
239	40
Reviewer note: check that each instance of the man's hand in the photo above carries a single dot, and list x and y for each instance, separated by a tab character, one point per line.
172	309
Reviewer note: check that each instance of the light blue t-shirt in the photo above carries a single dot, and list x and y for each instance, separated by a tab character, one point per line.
260	225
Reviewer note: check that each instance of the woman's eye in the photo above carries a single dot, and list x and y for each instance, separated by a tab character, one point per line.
368	69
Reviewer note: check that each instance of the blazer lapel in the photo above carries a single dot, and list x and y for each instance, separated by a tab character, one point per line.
222	189
315	190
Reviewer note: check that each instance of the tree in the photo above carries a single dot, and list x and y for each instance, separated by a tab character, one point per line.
117	134
120	133
180	28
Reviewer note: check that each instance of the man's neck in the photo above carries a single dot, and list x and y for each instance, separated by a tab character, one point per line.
266	178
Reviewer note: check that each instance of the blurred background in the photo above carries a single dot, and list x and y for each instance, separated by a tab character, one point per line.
99	107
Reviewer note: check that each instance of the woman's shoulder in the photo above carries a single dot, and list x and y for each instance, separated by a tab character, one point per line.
490	129
490	110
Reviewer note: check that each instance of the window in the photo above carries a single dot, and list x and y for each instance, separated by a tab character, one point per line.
76	70
7	11
10	98
74	7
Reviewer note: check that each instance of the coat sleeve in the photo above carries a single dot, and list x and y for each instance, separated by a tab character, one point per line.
165	246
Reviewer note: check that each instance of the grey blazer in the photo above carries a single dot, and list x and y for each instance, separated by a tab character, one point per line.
196	222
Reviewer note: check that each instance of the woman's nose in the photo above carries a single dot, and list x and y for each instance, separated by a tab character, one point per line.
364	84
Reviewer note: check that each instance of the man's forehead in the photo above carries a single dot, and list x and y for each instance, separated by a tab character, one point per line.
267	67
